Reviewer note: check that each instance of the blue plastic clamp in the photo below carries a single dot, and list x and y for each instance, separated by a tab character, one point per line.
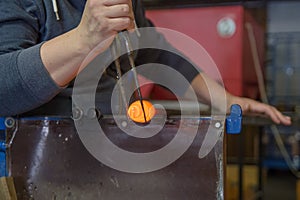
2	123
234	120
3	171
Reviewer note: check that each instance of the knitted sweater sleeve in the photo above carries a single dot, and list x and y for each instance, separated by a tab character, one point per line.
25	83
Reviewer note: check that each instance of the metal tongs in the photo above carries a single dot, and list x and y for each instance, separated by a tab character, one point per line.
116	50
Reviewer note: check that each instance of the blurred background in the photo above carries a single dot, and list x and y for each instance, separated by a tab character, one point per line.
256	47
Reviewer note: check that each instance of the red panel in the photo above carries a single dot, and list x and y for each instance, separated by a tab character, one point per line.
201	24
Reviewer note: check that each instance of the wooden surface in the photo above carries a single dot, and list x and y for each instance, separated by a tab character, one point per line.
7	189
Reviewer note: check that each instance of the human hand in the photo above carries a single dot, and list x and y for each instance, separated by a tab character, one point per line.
103	19
250	106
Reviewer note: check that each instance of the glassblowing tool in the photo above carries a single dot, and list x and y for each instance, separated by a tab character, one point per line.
123	36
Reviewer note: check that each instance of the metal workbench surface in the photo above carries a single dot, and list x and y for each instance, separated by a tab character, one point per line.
48	161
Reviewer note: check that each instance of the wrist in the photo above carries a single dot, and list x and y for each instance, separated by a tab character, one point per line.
231	99
79	41
87	43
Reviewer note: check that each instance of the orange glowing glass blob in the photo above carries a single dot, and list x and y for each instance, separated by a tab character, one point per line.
135	111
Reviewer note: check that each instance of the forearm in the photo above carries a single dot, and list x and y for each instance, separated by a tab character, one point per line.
62	56
211	92
101	20
214	94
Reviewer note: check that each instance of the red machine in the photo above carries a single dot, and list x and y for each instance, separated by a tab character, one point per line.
221	31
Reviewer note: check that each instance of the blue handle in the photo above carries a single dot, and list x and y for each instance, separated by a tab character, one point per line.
234	120
2	123
2	148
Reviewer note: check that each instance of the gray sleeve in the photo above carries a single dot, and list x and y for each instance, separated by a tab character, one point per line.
24	83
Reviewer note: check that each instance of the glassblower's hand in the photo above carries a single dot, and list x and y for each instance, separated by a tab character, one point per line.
250	106
212	93
102	19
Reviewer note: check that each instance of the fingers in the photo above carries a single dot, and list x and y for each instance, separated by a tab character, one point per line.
120	17
102	19
275	114
282	119
115	2
118	9
115	11
251	106
272	113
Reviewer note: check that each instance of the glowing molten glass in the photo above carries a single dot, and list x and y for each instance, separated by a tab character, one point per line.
135	111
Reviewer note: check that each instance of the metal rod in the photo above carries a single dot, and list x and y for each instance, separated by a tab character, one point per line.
133	69
115	50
